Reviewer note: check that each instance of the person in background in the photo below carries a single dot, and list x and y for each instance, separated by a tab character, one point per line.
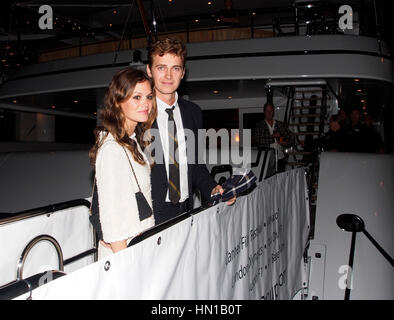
271	133
356	142
343	119
174	179
336	139
122	168
373	141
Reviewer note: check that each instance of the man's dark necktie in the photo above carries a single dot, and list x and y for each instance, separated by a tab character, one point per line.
174	177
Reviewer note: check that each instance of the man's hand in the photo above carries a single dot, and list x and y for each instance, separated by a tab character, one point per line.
219	189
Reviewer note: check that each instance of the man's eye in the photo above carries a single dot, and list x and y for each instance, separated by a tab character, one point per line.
177	69
150	97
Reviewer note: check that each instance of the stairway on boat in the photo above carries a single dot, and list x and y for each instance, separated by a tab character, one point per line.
308	116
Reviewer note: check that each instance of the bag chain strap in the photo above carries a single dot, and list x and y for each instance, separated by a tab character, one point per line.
132	169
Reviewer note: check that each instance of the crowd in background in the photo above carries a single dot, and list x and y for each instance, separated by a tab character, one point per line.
351	133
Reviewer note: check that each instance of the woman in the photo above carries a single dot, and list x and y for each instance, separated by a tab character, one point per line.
127	114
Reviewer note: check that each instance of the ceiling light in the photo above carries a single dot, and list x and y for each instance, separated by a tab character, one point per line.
215	91
359	90
196	20
14	101
218	20
114	12
356	80
110	24
362	100
229	97
209	3
254	13
3	60
75	101
11	53
53	107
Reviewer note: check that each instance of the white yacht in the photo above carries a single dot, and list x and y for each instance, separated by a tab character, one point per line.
322	229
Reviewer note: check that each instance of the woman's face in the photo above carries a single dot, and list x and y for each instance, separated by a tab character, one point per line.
137	108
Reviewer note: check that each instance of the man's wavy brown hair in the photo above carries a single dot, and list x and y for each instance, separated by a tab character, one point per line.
167	45
112	118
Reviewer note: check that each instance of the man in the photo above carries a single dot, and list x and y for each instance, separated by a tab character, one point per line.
356	132
271	133
373	140
173	181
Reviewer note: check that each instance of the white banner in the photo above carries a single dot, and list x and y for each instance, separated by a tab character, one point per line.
251	250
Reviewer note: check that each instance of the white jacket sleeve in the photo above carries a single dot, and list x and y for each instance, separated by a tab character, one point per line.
116	192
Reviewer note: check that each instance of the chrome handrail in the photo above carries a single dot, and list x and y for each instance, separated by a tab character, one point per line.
17	216
31	244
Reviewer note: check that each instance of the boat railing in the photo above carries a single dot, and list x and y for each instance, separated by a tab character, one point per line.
290	21
49	209
22	285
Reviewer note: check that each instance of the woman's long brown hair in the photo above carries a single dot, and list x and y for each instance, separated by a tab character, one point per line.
111	116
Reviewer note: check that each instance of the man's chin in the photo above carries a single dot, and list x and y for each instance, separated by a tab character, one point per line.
166	91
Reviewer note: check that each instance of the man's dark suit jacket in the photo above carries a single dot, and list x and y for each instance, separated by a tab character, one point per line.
198	175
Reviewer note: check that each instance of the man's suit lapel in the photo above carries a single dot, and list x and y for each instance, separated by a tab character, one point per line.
184	115
159	173
187	124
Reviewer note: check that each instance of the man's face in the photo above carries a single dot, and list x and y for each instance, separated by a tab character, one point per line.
269	112
167	72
